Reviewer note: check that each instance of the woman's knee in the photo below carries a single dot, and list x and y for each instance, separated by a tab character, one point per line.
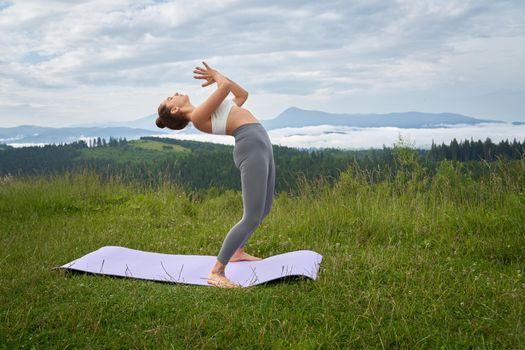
251	221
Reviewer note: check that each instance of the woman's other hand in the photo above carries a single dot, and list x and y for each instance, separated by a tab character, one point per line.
210	74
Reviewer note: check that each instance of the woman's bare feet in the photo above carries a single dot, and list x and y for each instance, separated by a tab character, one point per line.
242	256
220	280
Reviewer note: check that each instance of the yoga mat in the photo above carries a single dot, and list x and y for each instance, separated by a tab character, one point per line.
193	269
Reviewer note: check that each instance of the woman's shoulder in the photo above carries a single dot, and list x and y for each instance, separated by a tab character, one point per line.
204	126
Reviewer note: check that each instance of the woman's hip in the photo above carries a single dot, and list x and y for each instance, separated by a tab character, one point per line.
251	131
253	150
251	138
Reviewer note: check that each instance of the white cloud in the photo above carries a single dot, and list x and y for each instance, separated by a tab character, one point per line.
89	57
330	136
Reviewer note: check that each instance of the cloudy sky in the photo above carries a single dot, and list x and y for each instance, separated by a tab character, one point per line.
70	62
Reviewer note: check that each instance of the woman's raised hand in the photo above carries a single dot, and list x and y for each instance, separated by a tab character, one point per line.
209	74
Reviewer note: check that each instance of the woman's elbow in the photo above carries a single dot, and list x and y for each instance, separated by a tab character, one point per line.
240	100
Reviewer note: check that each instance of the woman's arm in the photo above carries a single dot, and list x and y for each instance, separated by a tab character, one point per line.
204	111
241	95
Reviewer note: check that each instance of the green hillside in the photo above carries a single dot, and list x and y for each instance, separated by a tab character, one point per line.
156	146
198	165
134	151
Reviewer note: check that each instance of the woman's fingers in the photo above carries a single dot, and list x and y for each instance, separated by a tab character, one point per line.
204	74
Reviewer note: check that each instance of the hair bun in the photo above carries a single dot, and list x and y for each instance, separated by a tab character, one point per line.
159	123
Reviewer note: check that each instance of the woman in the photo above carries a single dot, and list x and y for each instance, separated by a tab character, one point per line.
252	155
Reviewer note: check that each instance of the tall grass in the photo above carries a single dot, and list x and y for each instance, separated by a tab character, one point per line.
415	261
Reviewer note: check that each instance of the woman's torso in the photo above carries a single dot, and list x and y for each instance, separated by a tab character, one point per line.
238	116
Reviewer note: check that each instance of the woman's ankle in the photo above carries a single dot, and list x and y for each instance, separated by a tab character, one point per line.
218	268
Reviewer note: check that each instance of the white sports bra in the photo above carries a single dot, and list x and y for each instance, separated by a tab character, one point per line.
220	116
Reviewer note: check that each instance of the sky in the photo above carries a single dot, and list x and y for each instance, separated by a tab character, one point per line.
70	62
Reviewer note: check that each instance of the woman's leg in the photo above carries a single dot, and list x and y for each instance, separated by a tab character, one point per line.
254	182
270	188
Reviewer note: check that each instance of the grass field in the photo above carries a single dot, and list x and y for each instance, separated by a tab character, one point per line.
412	263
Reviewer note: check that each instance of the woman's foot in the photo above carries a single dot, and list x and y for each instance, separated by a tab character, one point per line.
220	280
242	256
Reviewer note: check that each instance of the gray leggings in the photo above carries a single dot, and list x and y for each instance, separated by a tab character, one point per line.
253	156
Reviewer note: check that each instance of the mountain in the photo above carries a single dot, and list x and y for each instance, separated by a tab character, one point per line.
296	117
291	117
145	123
40	134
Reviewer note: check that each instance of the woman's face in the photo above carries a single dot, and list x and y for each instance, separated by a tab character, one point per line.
177	100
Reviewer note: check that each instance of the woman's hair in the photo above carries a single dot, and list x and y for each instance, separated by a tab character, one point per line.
166	119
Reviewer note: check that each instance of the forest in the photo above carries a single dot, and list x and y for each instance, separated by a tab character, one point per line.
203	165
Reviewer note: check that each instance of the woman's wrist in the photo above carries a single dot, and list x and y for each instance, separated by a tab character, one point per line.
221	79
224	84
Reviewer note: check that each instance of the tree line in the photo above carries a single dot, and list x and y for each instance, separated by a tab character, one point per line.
211	165
476	150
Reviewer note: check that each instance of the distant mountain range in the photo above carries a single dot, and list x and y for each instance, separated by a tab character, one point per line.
145	123
296	117
291	117
39	134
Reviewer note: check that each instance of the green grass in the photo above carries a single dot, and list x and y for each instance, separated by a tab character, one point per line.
156	145
415	265
136	151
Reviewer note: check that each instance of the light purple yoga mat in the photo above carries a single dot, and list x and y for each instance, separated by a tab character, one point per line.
194	269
